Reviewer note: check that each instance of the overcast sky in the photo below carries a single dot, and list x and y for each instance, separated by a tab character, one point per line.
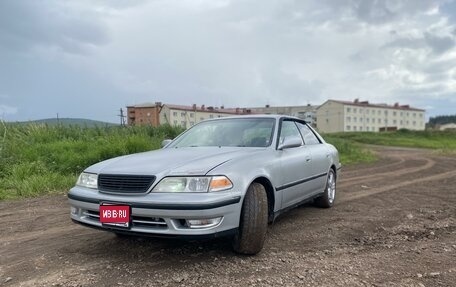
88	59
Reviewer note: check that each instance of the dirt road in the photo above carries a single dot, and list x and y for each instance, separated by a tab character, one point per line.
394	224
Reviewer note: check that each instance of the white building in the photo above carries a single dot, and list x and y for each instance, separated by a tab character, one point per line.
345	116
449	126
307	113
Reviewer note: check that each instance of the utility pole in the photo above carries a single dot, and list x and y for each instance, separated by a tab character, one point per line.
122	117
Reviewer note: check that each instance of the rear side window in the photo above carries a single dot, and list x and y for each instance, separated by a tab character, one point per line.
307	134
289	130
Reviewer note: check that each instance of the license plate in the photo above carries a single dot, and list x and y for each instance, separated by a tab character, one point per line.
115	215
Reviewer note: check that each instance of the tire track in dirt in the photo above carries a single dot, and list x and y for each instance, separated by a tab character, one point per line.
429	163
373	191
399	160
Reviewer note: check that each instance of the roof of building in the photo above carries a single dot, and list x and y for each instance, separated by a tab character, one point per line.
396	106
195	108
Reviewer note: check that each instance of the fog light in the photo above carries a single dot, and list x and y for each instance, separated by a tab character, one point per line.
74	210
203	223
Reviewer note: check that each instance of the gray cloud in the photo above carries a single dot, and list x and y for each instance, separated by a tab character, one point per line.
439	44
88	59
27	24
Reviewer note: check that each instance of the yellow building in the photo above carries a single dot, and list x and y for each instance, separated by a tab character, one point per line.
156	114
345	116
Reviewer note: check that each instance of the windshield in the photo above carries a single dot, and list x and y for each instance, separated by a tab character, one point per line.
247	132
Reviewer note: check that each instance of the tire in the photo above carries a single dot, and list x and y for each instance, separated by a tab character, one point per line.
329	195
253	223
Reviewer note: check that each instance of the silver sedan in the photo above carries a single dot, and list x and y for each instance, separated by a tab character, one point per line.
228	176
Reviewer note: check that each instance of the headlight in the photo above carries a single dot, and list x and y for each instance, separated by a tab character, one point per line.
89	180
193	184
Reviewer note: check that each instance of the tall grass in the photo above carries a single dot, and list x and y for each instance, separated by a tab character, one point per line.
349	151
38	159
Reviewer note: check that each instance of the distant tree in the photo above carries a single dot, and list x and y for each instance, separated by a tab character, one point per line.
441	120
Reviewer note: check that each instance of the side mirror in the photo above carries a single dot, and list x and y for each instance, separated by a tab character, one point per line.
290	142
165	142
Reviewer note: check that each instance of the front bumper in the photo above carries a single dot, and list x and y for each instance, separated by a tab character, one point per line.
161	214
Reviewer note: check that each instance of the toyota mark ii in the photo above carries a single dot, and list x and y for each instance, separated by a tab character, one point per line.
222	177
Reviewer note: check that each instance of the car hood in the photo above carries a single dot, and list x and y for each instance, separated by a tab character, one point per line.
172	161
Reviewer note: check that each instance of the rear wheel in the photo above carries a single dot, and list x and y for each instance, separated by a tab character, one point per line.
254	221
329	195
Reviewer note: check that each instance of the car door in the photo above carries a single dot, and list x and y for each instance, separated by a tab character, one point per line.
295	164
319	158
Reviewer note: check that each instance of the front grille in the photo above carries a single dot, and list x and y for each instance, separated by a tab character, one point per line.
125	183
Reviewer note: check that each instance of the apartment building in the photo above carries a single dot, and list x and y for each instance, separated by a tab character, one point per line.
156	114
346	116
307	113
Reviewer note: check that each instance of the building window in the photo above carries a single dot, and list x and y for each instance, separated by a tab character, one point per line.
367	120
394	122
354	110
379	121
402	114
414	115
348	119
414	123
183	123
175	114
401	122
348	128
367	128
354	128
361	128
175	122
348	110
355	119
379	112
360	120
386	113
394	113
182	114
367	111
211	116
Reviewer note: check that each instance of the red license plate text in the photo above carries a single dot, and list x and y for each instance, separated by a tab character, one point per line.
114	213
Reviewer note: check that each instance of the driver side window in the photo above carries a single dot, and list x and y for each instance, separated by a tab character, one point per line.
289	130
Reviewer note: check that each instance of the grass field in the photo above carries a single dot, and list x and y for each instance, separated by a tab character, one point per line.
442	141
39	159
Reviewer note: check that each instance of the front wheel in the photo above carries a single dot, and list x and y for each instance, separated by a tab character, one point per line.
329	195
254	221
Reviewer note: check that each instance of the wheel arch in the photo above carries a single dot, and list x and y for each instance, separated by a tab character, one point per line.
333	167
